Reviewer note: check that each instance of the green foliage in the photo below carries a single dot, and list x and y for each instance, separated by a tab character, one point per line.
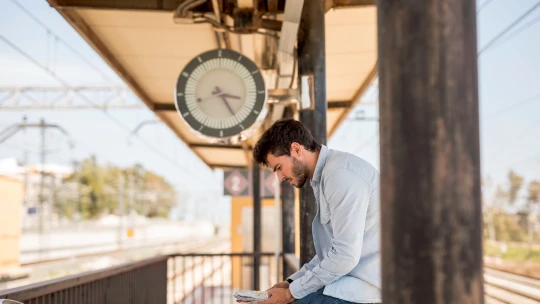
514	252
507	229
516	182
100	189
534	192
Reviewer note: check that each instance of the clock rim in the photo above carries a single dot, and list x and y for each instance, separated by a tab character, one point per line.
252	118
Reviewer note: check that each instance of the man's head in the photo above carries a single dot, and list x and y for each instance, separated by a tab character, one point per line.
287	147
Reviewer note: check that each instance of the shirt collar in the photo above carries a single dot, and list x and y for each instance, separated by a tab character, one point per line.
321	161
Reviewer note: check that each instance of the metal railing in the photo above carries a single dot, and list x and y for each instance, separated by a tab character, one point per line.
211	278
138	282
179	278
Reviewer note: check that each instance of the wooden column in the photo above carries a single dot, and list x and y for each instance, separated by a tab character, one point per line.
311	63
430	160
256	180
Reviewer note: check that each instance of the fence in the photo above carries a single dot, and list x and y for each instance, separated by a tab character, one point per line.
180	278
139	282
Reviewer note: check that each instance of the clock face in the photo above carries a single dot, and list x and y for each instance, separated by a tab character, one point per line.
220	93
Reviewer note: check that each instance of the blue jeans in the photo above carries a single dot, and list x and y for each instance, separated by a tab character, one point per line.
319	298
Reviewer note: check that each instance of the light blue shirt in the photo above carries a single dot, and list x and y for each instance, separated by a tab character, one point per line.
346	231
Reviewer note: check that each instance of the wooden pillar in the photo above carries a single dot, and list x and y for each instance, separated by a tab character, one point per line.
430	160
256	180
311	65
287	224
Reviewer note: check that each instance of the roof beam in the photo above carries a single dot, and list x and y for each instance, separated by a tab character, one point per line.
215	146
355	99
171	5
225	166
151	5
78	23
348	3
166	107
338	104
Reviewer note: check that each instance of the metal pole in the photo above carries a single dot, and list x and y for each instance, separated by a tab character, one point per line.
311	64
121	209
41	186
287	216
287	224
277	205
430	160
256	180
25	194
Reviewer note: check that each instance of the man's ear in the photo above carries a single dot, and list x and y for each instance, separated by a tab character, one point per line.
296	149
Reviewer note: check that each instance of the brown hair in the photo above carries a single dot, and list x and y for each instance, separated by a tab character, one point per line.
278	138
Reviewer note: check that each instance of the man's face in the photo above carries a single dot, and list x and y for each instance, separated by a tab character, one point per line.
289	168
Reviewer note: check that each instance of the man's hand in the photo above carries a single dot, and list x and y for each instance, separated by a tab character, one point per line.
283	284
279	296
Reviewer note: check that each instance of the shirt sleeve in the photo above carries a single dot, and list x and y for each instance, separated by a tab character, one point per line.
309	266
348	197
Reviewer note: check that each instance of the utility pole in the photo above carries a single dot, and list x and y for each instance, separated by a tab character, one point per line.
11	131
41	185
121	209
25	159
131	219
76	168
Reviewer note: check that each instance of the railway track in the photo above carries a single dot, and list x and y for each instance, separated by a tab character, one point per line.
502	287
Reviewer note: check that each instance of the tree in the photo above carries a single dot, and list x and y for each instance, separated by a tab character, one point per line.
534	192
533	198
516	182
145	192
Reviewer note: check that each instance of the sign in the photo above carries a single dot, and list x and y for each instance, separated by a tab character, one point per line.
237	182
267	183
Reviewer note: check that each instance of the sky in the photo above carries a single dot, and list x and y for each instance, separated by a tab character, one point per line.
508	86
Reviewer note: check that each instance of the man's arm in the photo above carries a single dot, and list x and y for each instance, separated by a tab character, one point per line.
348	197
309	266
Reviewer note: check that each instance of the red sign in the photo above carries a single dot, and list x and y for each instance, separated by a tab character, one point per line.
236	183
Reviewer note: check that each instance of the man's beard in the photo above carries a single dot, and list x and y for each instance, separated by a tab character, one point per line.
300	172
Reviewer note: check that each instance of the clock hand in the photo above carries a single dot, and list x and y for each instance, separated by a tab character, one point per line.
231	96
216	92
227	104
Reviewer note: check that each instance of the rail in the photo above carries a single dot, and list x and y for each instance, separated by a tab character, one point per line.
142	282
189	278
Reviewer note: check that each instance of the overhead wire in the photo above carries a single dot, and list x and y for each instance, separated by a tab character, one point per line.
58	38
108	115
512	107
508	28
483	5
519	30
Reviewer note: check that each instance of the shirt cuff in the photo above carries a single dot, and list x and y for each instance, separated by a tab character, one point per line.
296	275
297	290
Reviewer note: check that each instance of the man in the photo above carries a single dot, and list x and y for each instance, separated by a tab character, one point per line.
346	268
